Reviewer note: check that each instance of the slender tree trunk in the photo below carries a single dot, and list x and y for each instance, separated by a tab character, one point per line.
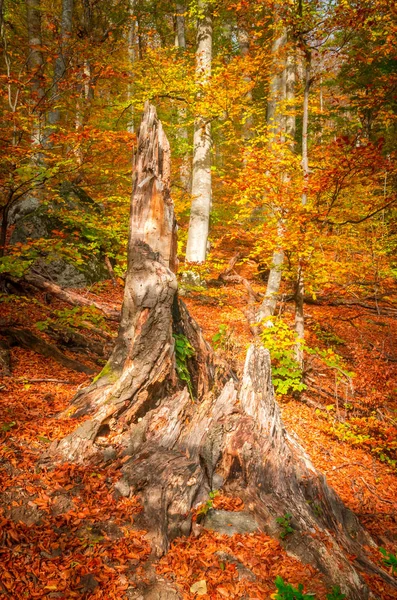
180	37
85	90
244	43
132	41
305	125
282	88
180	42
299	287
35	64
61	61
196	250
290	77
231	437
277	89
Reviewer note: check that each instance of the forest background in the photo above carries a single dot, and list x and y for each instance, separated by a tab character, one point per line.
282	123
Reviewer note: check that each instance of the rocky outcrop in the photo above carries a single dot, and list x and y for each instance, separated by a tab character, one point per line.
34	221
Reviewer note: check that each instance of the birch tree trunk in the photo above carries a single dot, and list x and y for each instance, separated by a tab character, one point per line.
243	42
196	250
281	126
299	286
173	450
180	42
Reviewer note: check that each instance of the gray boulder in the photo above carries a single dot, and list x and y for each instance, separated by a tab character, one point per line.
229	523
24	206
35	222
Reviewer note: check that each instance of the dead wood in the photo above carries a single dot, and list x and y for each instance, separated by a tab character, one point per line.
75	341
183	445
328	301
69	296
27	339
5	359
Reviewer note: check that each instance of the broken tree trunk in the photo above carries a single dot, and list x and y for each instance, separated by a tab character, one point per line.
224	435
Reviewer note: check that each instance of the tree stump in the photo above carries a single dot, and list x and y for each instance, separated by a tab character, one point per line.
225	433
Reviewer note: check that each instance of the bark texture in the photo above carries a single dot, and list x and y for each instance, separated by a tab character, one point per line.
61	65
196	249
229	435
281	126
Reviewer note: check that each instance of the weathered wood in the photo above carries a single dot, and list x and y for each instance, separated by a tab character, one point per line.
237	441
77	341
69	296
152	218
181	447
27	339
141	370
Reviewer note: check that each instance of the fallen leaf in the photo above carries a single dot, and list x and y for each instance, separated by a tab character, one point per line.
199	588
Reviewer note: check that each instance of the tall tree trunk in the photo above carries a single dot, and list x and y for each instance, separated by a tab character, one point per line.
277	89
132	41
180	42
196	250
299	287
180	37
231	436
61	60
35	64
244	44
282	88
85	90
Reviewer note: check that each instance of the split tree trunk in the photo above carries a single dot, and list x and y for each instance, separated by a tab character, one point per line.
230	435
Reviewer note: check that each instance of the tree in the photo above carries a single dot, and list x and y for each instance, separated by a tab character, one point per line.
61	61
196	250
281	132
187	430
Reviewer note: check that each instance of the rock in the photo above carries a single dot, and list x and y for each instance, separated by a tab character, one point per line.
123	488
229	523
192	279
74	196
109	453
157	591
24	206
36	222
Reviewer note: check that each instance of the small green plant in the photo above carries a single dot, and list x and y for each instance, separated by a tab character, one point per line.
203	510
335	594
285	524
77	316
220	338
183	351
281	342
285	591
7	426
389	559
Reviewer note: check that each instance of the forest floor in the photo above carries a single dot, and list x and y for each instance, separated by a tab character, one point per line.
65	533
